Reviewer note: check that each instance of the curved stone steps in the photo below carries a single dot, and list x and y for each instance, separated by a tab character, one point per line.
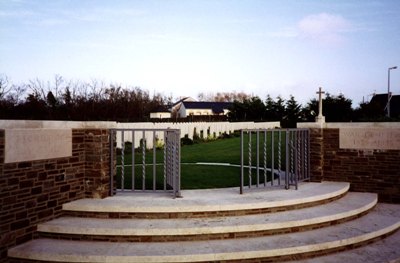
382	220
385	250
350	206
207	203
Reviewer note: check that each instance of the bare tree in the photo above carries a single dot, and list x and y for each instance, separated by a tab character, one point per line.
38	89
5	86
224	96
82	90
16	94
97	89
74	87
58	81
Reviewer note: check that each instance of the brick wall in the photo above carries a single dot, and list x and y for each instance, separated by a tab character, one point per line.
376	171
33	192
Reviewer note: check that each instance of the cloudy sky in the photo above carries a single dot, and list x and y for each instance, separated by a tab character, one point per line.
184	47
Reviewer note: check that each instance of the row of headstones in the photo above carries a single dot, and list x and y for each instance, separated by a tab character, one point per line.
190	130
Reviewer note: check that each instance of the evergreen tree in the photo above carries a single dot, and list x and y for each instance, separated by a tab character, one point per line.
270	114
334	108
293	110
279	108
337	108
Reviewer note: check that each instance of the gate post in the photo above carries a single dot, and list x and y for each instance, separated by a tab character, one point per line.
241	162
287	170
316	154
177	170
97	163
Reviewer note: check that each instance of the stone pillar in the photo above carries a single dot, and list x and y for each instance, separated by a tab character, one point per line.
317	154
2	144
97	163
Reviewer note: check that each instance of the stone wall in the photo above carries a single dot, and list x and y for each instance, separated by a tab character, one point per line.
34	191
374	170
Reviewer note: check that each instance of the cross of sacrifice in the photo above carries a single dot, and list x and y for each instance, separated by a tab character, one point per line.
320	92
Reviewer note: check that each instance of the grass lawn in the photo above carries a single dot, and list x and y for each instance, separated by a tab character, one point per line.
196	176
219	151
192	177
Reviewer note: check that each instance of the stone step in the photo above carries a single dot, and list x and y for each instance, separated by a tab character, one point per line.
382	220
208	202
149	230
385	250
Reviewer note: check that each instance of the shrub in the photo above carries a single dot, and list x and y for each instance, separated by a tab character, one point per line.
159	144
225	136
186	141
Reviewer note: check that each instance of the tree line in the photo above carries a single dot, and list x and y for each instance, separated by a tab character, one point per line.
76	100
289	112
63	99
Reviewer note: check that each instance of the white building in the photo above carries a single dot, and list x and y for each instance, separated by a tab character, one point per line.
195	108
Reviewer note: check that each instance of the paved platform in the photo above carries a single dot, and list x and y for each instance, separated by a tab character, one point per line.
224	199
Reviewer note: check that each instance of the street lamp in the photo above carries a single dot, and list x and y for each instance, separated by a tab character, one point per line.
388	103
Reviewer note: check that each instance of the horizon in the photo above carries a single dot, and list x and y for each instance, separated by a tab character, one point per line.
186	48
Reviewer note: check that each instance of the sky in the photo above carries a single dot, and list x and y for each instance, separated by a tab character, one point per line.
186	47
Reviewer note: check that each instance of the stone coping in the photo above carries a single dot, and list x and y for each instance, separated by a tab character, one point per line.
210	200
337	125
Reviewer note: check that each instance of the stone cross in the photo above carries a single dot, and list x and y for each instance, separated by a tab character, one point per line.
320	92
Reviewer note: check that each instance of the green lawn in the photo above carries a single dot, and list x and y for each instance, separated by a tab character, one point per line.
219	151
192	177
197	176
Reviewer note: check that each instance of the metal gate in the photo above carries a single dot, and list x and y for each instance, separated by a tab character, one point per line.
274	157
145	160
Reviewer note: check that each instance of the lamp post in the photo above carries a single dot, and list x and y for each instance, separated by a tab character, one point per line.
388	103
